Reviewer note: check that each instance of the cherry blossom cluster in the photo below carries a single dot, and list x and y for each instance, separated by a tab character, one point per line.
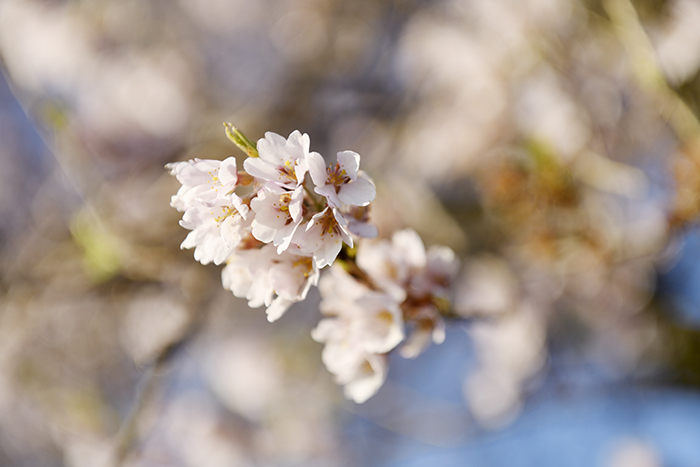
394	293
287	215
272	227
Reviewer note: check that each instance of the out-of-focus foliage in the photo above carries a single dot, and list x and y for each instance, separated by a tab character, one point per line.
551	143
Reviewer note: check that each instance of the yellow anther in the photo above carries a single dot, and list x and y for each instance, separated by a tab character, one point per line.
385	316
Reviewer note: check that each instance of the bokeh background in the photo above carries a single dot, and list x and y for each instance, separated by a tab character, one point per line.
553	144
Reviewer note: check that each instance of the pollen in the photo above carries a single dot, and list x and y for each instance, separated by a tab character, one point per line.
287	171
226	211
306	263
385	317
336	175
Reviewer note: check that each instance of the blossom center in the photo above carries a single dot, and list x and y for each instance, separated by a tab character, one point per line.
214	179
226	211
287	170
329	225
337	175
304	262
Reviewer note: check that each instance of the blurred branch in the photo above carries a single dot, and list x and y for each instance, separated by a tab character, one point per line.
125	440
645	66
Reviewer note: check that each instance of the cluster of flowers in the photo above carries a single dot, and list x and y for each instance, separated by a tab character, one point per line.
286	216
393	292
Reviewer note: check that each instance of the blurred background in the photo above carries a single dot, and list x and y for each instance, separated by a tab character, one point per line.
553	144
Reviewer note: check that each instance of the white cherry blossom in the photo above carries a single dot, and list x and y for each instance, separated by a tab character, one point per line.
323	236
281	161
426	326
341	183
361	326
393	265
373	319
264	277
276	241
362	377
203	181
416	279
441	267
278	213
216	228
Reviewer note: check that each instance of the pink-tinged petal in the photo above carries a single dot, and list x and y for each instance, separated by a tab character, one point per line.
262	232
290	277
420	338
358	193
326	330
317	169
349	161
271	148
378	260
417	342
442	262
190	241
382	323
300	169
408	244
261	169
235	277
231	232
328	252
295	206
298	144
439	331
343	228
329	192
339	284
370	377
266	207
242	209
341	355
258	293
277	308
363	229
283	237
272	187
228	173
309	239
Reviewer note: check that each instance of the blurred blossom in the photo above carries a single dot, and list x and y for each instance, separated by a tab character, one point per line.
486	286
632	453
494	398
86	452
137	92
544	112
152	322
464	97
678	41
246	376
47	49
224	16
509	351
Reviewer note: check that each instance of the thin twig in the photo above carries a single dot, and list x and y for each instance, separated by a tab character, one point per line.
648	73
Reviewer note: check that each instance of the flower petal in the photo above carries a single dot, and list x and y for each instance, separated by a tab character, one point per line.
358	193
349	161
